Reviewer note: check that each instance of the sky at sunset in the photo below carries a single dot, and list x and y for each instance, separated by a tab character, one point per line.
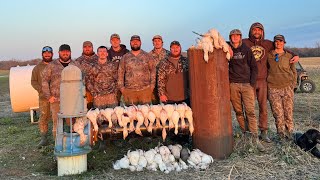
27	26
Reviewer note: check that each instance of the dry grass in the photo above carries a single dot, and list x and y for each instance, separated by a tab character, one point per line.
4	72
310	62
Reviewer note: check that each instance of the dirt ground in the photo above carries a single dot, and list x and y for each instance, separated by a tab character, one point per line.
20	159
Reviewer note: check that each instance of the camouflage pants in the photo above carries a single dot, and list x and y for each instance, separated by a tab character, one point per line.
242	96
89	99
104	101
55	108
44	108
155	98
137	97
281	101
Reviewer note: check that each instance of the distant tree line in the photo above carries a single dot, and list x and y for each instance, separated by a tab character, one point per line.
307	51
302	52
6	65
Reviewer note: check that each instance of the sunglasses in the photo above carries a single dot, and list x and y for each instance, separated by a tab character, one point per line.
47	48
276	58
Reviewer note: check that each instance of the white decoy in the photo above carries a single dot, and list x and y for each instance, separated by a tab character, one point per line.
123	163
140	119
119	111
175	119
152	118
181	108
175	150
145	111
92	116
133	157
156	110
107	113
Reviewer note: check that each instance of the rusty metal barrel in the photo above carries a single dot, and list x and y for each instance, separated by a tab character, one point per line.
210	103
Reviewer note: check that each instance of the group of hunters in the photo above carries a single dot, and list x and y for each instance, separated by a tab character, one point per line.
258	69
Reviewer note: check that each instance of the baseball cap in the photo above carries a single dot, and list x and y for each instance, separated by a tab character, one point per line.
279	37
114	36
157	37
235	31
47	49
135	37
87	43
64	47
175	43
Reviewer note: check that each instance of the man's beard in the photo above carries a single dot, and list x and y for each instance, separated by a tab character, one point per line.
88	53
135	48
65	59
46	60
257	36
175	56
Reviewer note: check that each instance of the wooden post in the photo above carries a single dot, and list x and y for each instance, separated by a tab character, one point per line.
210	103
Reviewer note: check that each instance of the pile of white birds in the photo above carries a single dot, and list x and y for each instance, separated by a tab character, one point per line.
148	115
78	127
210	40
164	158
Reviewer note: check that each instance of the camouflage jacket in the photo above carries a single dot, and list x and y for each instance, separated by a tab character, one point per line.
51	78
166	68
87	61
104	79
36	78
137	72
159	57
93	59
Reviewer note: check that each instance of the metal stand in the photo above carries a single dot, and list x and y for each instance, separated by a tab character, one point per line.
32	111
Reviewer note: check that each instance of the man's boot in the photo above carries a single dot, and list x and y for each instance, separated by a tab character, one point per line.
264	136
260	147
54	135
256	143
44	140
102	145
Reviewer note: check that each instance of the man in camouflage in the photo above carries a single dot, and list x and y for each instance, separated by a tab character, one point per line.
51	79
282	78
158	53
103	84
44	105
115	53
89	58
137	74
172	77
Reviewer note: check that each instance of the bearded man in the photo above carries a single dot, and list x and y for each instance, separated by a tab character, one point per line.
136	74
44	105
88	58
51	79
172	77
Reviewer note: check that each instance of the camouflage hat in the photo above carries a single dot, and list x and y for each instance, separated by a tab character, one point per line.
235	31
257	25
175	43
64	47
87	43
135	37
114	36
157	37
279	37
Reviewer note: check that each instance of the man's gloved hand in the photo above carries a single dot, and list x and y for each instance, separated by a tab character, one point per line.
163	98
